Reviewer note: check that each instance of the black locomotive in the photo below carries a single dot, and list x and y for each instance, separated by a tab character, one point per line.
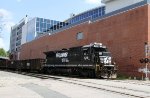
93	60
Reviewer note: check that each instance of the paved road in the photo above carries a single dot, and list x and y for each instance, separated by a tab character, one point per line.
20	86
44	91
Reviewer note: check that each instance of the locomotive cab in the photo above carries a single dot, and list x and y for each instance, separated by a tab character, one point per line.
102	60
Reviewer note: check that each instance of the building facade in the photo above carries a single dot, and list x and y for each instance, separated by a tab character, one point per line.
16	37
124	31
113	5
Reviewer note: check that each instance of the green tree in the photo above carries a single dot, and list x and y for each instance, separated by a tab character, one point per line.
8	53
3	52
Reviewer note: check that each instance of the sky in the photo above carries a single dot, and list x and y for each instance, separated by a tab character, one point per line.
12	11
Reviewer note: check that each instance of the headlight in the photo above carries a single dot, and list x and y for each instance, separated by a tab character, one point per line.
100	53
102	60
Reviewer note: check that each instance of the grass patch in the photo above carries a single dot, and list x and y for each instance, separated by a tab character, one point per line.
122	77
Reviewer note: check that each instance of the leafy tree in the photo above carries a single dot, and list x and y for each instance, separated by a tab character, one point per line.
3	52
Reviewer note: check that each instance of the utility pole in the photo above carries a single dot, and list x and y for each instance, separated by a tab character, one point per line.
146	64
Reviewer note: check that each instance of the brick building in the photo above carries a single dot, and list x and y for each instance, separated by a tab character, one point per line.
124	31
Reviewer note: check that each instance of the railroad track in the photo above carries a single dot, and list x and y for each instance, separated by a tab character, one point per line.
132	93
127	90
133	82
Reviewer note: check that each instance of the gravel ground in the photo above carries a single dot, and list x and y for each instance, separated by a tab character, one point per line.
14	85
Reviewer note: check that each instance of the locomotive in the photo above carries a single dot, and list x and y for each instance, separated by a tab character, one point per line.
93	60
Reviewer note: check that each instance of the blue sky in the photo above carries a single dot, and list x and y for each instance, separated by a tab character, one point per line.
12	11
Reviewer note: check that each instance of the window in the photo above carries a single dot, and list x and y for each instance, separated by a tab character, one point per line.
100	13
44	25
96	11
40	29
103	13
96	15
38	19
45	20
48	21
103	10
41	25
48	25
37	29
37	24
79	36
44	30
41	19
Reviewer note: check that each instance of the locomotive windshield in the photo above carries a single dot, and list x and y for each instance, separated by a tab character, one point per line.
98	49
106	54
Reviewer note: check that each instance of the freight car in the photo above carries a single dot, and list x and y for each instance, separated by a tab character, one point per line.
93	60
3	62
30	65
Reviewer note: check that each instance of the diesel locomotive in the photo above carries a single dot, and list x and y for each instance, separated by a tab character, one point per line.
93	60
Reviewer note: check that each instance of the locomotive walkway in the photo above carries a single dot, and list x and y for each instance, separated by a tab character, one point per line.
30	85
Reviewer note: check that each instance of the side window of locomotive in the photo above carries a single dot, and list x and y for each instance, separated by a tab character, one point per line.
85	51
104	49
86	54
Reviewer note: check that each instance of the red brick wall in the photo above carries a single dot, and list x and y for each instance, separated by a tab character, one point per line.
56	41
148	24
124	35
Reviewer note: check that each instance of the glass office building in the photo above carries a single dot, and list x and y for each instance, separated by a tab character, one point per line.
37	27
16	35
42	25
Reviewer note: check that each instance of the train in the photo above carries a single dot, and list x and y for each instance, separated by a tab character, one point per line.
92	60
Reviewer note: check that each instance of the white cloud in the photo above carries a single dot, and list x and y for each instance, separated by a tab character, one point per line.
5	19
93	1
6	23
1	43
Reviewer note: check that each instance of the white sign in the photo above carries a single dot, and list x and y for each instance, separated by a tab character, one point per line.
144	70
147	50
59	55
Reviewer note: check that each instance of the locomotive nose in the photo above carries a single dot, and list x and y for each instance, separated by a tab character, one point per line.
105	60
